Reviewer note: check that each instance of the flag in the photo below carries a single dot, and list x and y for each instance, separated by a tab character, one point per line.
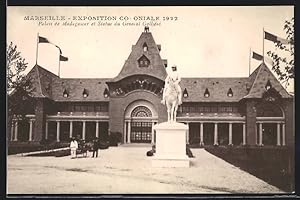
43	40
63	58
59	49
274	38
256	56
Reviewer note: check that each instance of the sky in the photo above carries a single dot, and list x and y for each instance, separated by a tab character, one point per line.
202	41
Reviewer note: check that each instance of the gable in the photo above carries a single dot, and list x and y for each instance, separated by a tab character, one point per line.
144	48
263	76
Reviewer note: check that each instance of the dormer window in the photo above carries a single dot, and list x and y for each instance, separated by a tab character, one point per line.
105	93
268	85
145	47
185	93
206	93
159	47
65	94
85	93
143	61
230	93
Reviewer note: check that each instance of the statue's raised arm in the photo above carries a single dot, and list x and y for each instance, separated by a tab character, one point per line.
172	94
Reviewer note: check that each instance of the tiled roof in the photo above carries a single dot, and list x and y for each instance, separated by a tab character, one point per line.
262	76
75	87
217	88
131	67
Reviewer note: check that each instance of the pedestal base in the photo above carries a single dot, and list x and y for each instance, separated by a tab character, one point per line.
170	162
170	145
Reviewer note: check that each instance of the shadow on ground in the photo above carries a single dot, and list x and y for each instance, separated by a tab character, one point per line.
274	165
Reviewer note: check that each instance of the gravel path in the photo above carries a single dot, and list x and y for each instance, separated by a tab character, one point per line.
126	170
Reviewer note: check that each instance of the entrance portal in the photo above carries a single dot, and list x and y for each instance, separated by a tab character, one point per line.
140	117
141	132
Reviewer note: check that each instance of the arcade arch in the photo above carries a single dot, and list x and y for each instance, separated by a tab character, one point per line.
140	117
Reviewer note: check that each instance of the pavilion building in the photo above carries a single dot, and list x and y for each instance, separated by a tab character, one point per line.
254	110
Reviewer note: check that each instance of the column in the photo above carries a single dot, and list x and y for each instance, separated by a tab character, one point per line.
57	130
71	129
152	134
188	133
30	130
83	130
216	134
244	133
46	131
260	135
128	132
16	131
12	131
283	134
124	133
201	134
97	129
278	134
230	133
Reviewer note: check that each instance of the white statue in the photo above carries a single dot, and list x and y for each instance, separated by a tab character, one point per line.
172	94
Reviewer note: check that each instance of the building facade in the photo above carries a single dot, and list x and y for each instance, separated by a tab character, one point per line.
254	110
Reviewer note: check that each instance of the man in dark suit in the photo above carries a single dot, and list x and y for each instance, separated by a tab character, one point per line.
95	147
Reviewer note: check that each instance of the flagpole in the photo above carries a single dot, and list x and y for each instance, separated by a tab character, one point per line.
59	65
37	49
249	61
263	45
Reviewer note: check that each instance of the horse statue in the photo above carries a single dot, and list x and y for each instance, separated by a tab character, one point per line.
171	98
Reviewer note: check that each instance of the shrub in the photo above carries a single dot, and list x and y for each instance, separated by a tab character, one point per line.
115	138
103	145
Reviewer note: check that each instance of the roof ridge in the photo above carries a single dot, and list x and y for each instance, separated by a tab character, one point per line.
260	66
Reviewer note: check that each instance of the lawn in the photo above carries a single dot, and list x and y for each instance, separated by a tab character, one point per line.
274	165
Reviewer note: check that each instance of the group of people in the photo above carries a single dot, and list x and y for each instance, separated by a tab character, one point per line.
80	146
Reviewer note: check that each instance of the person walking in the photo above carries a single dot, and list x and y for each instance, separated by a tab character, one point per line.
95	147
73	147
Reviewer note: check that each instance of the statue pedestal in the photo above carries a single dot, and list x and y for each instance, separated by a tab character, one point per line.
170	145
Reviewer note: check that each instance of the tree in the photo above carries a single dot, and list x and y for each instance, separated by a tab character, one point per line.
19	87
284	65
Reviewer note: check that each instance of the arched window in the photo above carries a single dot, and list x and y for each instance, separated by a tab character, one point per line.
185	93
65	93
85	93
230	93
141	111
206	93
145	47
268	85
143	61
106	93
